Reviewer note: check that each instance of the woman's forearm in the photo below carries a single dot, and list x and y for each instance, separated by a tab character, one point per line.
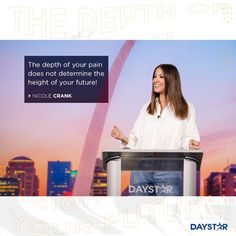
124	140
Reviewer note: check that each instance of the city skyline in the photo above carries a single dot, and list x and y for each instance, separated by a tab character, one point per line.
212	184
60	179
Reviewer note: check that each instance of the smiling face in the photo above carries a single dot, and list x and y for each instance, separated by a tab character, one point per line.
158	81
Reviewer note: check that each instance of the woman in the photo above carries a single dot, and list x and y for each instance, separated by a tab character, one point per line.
167	122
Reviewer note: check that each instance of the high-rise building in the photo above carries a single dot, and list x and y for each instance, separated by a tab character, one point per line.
73	174
59	178
22	168
9	187
208	184
221	183
99	184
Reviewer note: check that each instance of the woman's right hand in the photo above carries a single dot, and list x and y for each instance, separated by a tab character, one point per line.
118	134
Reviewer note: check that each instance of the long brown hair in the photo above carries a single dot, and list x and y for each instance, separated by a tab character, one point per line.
172	91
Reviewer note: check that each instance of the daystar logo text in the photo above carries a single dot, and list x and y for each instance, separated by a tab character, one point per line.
150	189
215	227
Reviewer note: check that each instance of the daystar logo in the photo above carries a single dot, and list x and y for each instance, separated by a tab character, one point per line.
215	227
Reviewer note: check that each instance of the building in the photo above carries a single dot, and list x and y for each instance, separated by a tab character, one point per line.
59	178
73	174
99	184
208	184
221	183
22	168
9	187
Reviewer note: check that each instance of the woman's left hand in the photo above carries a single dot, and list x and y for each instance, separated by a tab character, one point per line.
194	145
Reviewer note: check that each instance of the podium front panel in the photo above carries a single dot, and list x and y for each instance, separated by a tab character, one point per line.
143	173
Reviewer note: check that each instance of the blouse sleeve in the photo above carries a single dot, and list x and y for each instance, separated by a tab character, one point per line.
134	135
191	130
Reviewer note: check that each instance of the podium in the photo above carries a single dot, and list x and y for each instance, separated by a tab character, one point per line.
188	161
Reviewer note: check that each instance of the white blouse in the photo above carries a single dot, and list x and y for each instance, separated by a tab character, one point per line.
163	131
